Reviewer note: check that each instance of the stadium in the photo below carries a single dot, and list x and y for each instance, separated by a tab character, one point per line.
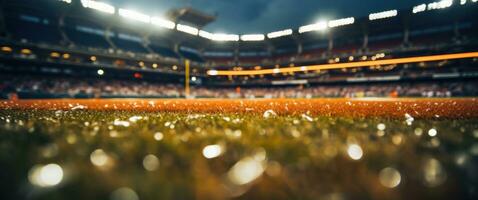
99	100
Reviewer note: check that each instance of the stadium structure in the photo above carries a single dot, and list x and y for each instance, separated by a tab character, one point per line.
104	102
89	39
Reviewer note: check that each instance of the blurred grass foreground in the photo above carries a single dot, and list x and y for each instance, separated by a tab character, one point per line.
128	155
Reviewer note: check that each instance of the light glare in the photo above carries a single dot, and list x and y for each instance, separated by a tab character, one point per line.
163	23
341	22
253	37
313	27
246	170
187	29
99	158
151	162
277	34
130	14
382	15
440	4
46	175
355	151
212	72
212	151
390	177
100	6
419	8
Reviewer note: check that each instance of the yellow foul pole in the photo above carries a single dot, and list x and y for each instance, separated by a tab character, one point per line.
186	79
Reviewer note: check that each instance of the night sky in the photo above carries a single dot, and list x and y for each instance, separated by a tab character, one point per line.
262	16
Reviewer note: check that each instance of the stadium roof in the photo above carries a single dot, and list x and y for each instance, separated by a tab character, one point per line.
191	16
353	27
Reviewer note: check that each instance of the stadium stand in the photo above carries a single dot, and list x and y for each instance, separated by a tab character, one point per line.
86	34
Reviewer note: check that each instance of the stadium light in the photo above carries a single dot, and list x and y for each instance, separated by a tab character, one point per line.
66	1
26	51
103	7
163	23
225	37
7	49
341	22
419	8
187	29
436	5
206	34
130	14
383	15
417	59
440	4
277	34
212	72
463	2
218	36
253	37
320	26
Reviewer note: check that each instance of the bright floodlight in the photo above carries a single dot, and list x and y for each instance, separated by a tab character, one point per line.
280	33
253	37
187	29
440	4
103	7
130	14
163	23
419	8
341	22
225	37
206	34
320	26
218	36
66	1
382	15
463	2
212	72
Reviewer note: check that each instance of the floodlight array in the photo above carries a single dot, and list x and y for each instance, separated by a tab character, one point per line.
440	4
253	37
383	15
100	6
281	33
131	14
341	22
436	5
218	36
163	23
187	29
320	26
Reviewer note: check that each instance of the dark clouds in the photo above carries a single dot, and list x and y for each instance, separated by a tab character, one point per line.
261	16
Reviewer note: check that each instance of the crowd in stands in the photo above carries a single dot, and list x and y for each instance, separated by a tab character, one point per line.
26	87
88	87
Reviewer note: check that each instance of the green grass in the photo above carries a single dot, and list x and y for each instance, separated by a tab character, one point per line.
303	157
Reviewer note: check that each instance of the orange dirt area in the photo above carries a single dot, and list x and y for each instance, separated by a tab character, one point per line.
449	108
